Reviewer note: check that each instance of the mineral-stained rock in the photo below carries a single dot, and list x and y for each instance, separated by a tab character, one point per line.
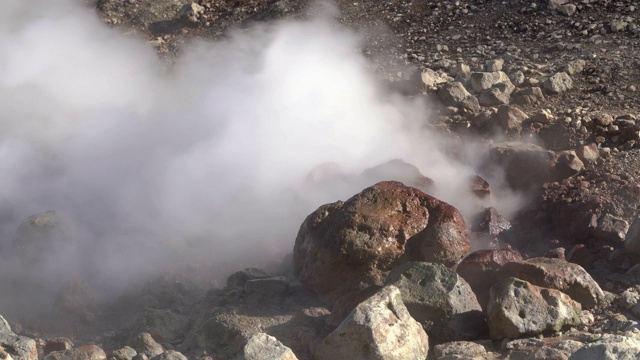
611	347
144	343
380	328
86	352
348	246
16	346
481	270
518	308
262	346
558	274
440	300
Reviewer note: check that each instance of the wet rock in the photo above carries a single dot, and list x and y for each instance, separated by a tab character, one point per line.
379	328
518	308
558	274
397	170
170	355
262	346
455	94
269	287
125	353
348	246
440	300
511	118
240	278
144	343
558	83
481	270
611	347
16	346
86	352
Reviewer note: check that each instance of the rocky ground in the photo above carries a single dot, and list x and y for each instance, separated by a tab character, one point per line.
394	273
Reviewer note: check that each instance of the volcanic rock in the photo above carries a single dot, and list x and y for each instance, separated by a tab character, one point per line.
144	343
86	352
380	328
632	238
518	308
41	236
240	278
558	274
170	355
481	270
459	350
528	96
268	287
125	353
348	246
57	344
611	347
455	94
262	346
558	83
16	346
589	154
397	170
440	300
511	118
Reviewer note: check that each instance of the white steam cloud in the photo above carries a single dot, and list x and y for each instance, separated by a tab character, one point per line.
204	161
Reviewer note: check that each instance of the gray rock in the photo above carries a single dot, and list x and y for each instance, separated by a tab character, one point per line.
486	80
16	346
611	229
262	346
276	286
170	355
440	300
567	9
125	353
527	96
87	352
558	274
511	118
617	25
144	343
611	347
575	67
518	308
380	328
191	12
239	278
494	65
558	83
459	350
455	94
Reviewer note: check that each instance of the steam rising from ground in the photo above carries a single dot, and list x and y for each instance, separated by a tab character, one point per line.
206	160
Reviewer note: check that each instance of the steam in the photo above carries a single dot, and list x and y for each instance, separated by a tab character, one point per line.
207	161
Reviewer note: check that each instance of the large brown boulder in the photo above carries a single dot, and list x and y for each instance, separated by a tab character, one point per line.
348	246
558	274
481	270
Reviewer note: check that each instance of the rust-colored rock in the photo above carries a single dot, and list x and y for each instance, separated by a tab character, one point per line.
558	274
481	270
349	246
